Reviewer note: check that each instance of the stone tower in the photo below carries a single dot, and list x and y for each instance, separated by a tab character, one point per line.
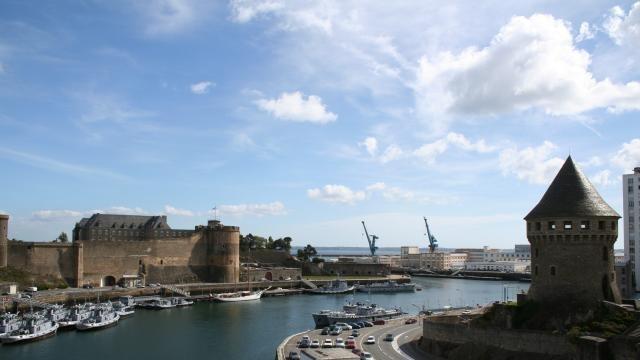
4	250
223	252
572	231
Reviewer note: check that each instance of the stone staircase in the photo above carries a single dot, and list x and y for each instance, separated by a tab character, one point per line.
174	289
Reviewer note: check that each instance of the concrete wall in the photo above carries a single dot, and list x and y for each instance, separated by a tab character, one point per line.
356	269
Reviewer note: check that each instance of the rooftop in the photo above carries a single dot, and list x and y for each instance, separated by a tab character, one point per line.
571	194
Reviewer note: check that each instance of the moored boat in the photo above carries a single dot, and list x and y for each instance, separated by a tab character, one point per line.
180	301
35	326
334	287
125	306
76	314
158	304
240	296
353	313
102	316
9	322
387	286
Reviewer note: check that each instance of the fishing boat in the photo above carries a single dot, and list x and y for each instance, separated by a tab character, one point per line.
181	302
125	306
240	296
158	304
35	326
102	316
354	313
76	314
334	287
387	286
9	322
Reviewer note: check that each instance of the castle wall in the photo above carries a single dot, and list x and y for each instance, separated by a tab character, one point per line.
576	263
4	227
56	260
223	255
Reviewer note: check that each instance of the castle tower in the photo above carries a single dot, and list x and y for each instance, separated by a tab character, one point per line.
223	252
4	242
572	231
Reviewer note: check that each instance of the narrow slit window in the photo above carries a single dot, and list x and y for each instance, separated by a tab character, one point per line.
551	225
568	225
553	271
585	225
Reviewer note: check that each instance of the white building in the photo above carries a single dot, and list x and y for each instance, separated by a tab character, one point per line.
409	250
504	266
631	218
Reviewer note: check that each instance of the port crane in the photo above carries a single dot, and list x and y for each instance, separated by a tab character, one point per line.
371	239
433	243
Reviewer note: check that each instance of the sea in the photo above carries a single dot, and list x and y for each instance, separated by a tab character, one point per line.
249	330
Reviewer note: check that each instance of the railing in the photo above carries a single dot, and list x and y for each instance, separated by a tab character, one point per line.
175	289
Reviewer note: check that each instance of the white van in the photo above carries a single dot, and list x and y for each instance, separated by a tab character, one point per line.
31	289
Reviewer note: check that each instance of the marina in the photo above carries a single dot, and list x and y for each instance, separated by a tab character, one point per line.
208	327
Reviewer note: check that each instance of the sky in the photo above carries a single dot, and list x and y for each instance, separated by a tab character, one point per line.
303	118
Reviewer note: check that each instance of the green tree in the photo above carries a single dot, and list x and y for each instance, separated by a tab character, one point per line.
63	238
307	253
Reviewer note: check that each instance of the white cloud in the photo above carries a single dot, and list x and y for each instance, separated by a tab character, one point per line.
52	215
585	32
106	107
628	156
202	87
170	210
273	208
243	11
120	210
531	63
463	143
392	152
294	107
602	178
624	28
376	186
371	144
429	152
164	17
593	161
533	164
394	193
337	194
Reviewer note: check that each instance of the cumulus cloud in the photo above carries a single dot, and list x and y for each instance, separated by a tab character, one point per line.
170	210
202	87
165	17
243	11
370	144
56	215
532	63
602	178
585	32
336	194
392	152
624	28
429	152
294	107
273	208
50	215
395	193
533	164
628	156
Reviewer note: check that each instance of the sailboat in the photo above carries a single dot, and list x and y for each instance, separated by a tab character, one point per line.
236	296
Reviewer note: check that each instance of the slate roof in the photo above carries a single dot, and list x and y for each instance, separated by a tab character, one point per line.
571	194
105	221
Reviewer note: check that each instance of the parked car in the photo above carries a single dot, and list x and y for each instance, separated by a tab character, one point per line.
350	344
325	331
356	351
389	337
328	343
379	322
466	312
368	324
31	289
355	333
344	326
355	326
336	331
87	286
361	324
371	340
293	355
306	337
304	343
339	343
315	343
411	321
366	355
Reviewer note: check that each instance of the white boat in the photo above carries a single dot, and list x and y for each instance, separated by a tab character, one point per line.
125	306
158	304
388	286
76	314
35	327
334	287
180	301
9	322
104	315
240	296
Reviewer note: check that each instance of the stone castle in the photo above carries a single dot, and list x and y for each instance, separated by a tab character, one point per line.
129	250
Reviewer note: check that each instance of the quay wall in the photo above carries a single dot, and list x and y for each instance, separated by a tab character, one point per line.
53	260
440	338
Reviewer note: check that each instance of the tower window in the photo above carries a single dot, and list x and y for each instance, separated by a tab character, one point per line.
551	225
585	225
568	225
613	225
553	271
605	253
537	252
535	271
600	225
538	226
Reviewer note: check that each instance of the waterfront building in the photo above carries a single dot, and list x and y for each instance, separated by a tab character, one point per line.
631	220
439	261
502	266
624	278
406	250
572	231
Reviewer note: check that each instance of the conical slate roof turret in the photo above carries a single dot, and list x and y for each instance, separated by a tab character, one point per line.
571	194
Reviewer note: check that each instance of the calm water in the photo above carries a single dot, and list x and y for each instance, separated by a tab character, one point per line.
249	330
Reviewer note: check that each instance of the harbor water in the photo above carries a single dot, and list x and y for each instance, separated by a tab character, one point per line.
248	330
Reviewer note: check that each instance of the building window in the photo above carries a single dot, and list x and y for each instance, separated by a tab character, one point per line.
585	225
630	203
551	225
605	253
536	252
600	225
553	271
538	226
568	225
613	225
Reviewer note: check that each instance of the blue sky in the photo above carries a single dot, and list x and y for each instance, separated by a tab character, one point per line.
303	118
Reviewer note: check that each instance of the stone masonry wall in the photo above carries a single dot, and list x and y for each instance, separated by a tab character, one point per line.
54	260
